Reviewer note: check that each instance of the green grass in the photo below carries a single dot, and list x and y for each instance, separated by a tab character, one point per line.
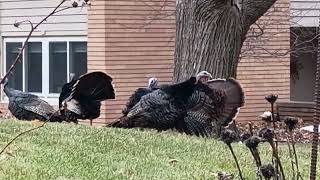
66	151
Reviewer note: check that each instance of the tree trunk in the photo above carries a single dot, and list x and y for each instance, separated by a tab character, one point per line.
210	34
208	38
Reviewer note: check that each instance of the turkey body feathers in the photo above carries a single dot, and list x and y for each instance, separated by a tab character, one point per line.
66	92
25	106
95	85
161	109
195	109
135	98
81	99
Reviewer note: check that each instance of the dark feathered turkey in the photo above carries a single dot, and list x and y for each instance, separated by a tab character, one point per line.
217	104
81	98
190	107
136	96
25	106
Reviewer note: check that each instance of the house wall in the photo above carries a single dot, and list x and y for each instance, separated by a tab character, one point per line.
139	45
97	58
69	22
305	13
265	64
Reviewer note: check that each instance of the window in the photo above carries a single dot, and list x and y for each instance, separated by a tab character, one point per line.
303	63
58	60
15	80
78	58
33	65
46	63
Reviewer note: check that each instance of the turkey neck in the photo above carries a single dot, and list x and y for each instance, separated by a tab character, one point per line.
9	91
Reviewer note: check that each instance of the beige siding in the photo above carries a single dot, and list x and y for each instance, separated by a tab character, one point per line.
139	45
265	66
305	13
97	45
303	110
69	22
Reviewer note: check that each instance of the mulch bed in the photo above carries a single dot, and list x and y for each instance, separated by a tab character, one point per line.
301	136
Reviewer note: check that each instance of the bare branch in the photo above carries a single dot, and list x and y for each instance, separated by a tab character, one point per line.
21	134
18	58
28	131
27	39
252	10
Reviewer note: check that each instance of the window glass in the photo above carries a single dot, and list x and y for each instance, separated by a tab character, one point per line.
78	58
57	66
15	78
33	65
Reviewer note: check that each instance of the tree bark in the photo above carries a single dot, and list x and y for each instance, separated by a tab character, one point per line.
210	34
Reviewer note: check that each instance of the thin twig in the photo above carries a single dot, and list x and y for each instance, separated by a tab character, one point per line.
250	128
275	136
17	136
33	28
27	131
276	156
295	156
236	160
257	159
291	157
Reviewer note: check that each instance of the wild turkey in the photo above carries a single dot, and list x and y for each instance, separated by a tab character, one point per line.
195	107
81	98
25	106
66	90
136	96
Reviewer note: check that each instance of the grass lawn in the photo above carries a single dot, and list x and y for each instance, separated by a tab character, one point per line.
67	151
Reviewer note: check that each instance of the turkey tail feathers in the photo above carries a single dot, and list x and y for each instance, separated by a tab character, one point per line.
96	85
234	97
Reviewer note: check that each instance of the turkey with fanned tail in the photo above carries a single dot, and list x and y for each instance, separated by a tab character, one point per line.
81	98
26	106
195	107
217	103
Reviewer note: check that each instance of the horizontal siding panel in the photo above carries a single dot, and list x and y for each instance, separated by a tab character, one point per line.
305	13
260	71
74	26
48	33
8	5
39	12
96	48
139	45
81	18
72	21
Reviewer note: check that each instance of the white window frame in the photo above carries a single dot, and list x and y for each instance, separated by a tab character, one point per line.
51	98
